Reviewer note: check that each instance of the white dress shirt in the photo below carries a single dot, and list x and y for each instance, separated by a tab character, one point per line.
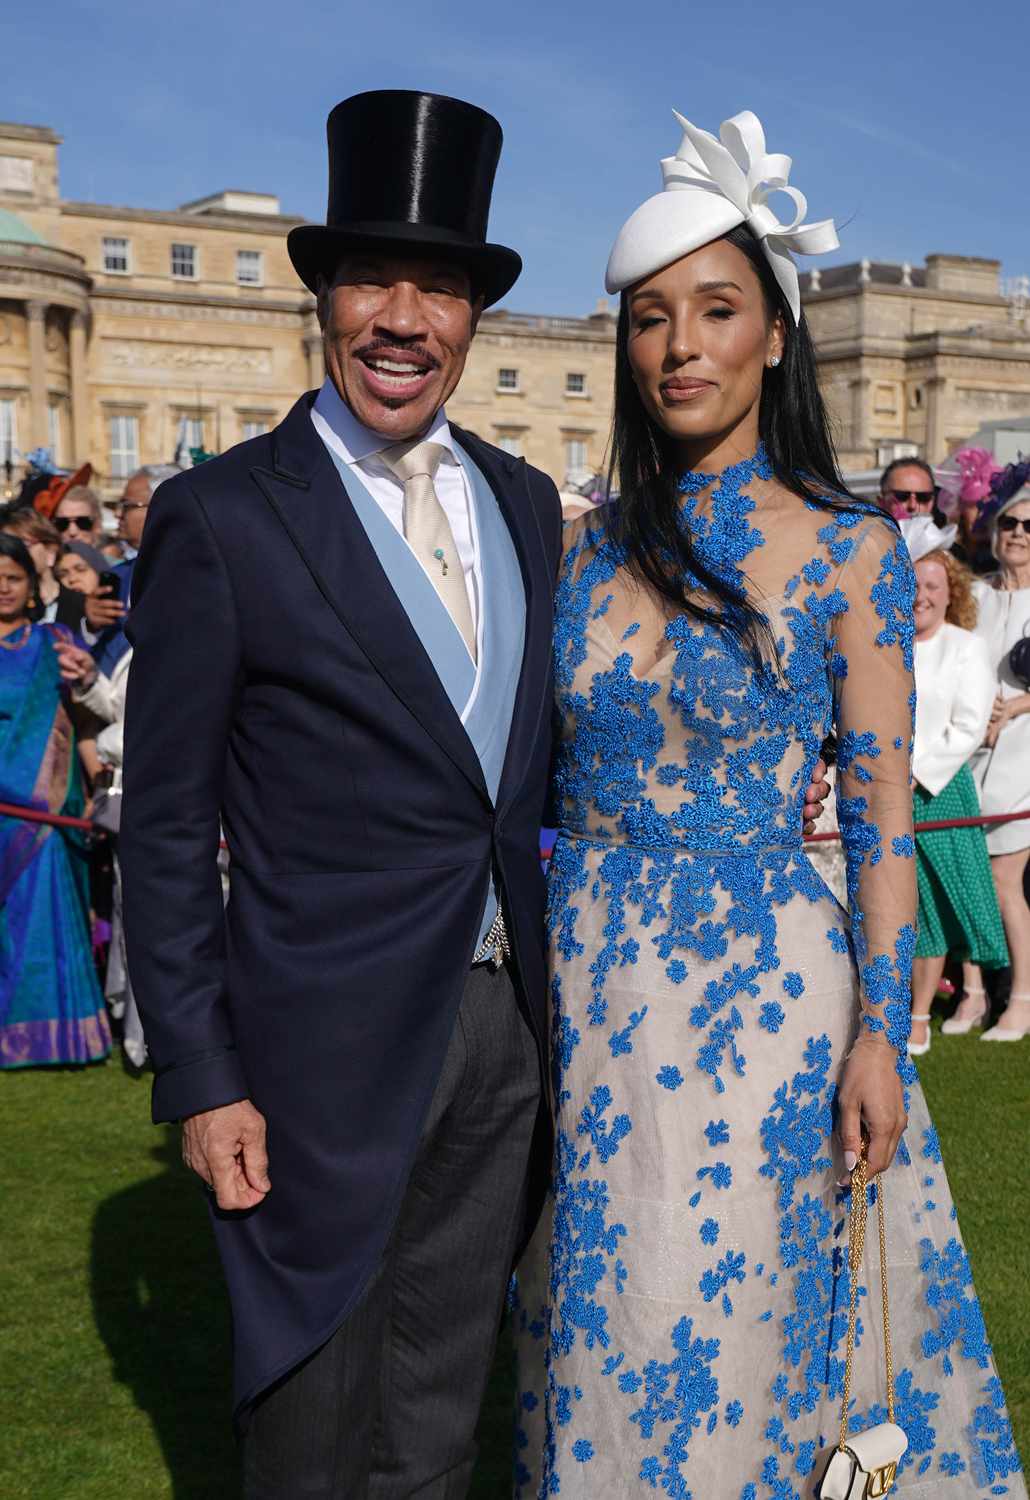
955	689
358	447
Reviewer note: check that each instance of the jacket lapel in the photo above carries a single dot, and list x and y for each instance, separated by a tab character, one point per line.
509	482
306	493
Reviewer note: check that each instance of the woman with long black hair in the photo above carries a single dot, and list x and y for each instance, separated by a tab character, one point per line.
727	1043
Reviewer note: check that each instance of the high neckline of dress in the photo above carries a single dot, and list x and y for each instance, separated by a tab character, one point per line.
733	476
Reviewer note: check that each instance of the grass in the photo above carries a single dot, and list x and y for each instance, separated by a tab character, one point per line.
114	1341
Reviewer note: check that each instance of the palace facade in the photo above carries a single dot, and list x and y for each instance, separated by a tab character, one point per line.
126	331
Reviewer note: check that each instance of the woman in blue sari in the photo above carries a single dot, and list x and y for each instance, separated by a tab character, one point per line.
51	1010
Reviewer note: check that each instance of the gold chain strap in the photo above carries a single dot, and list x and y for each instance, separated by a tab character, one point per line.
856	1244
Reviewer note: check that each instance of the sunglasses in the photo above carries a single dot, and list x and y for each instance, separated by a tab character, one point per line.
84	523
1013	523
921	497
131	504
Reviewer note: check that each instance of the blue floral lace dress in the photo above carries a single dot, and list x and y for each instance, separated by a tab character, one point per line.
681	1314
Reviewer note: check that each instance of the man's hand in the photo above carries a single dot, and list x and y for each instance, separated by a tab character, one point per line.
76	665
815	795
101	610
226	1149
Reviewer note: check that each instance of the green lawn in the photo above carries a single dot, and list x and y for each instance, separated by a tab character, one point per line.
114	1340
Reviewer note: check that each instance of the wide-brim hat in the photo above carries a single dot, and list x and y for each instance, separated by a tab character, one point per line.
409	172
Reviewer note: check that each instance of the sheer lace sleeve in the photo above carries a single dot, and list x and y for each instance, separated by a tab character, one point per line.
874	707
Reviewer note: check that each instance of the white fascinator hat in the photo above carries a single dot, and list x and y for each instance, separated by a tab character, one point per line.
709	187
922	536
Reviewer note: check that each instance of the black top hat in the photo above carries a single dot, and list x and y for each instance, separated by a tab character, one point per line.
409	170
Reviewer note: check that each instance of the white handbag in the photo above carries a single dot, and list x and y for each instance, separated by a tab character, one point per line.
864	1466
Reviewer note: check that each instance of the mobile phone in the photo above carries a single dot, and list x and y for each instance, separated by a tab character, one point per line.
109	580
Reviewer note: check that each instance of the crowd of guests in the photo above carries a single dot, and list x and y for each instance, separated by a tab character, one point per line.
972	741
65	588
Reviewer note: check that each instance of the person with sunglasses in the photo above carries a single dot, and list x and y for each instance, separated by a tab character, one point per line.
908	488
1002	767
78	516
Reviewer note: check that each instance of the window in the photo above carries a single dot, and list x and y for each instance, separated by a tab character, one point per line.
576	454
184	261
124	457
575	383
54	432
254	429
191	432
507	379
250	269
115	254
509	442
8	431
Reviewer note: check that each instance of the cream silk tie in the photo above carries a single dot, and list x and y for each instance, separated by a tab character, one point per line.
428	530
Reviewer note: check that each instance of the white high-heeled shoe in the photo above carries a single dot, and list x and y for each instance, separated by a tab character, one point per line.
920	1049
1003	1033
960	1025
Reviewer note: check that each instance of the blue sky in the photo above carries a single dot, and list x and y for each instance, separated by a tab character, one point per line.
907	122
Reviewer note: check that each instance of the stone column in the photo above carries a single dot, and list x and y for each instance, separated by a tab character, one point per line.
39	433
79	392
316	362
859	411
936	395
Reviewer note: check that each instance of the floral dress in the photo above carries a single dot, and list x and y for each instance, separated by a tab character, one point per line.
681	1314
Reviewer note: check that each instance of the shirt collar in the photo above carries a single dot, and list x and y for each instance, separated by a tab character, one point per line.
353	441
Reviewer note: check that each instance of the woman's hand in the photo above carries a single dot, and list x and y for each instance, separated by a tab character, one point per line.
871	1095
76	665
1004	710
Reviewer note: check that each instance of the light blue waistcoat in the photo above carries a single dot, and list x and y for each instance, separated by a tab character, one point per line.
503	607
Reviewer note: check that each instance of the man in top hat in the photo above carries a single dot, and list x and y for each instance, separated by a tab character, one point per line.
358	685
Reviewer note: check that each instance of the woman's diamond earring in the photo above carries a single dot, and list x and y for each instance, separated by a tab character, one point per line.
774	361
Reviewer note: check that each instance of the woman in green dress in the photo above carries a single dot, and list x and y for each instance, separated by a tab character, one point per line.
958	909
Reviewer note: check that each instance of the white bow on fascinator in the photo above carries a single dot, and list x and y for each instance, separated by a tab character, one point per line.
922	536
711	186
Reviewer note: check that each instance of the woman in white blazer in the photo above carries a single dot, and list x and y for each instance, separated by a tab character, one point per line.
104	697
958	910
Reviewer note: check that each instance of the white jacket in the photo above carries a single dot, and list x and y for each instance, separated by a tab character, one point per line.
106	699
955	688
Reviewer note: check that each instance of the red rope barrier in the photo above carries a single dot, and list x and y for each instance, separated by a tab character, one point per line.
59	820
932	825
39	815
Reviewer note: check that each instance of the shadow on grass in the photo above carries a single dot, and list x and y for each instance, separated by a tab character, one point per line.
162	1310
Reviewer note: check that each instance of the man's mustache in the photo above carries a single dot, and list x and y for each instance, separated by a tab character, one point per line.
398	347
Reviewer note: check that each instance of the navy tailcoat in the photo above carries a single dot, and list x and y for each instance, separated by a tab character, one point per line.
278	685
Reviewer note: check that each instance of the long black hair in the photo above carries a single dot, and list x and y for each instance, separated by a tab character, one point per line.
647	521
14	548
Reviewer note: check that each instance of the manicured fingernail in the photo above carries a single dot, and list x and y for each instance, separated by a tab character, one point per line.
843	1181
850	1160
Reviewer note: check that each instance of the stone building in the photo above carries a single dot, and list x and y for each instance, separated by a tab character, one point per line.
542	388
124	331
919	360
